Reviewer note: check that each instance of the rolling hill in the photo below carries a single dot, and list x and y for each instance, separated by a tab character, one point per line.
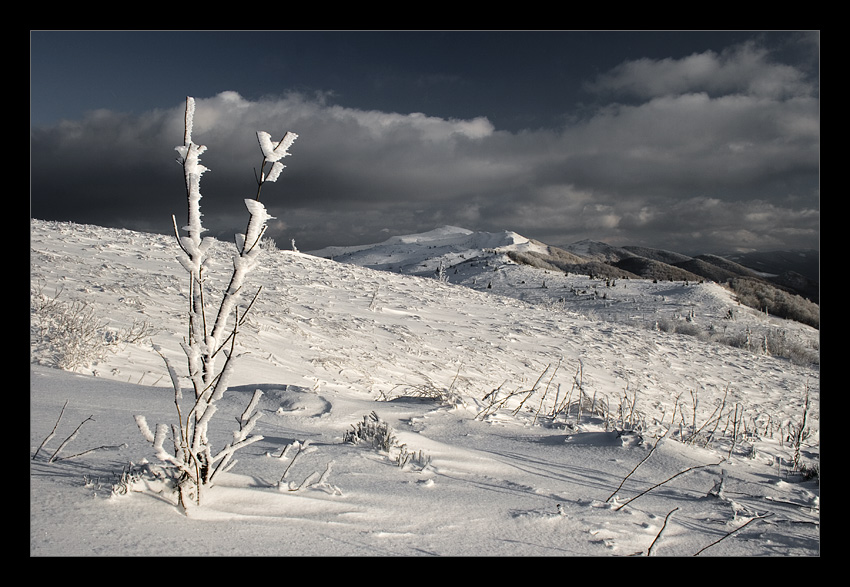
786	294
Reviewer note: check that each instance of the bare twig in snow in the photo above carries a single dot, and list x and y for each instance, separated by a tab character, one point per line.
651	549
728	534
642	493
69	439
52	432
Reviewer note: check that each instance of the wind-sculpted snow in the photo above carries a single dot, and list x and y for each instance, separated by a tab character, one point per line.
329	343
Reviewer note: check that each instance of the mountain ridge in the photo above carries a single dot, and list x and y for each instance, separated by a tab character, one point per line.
448	247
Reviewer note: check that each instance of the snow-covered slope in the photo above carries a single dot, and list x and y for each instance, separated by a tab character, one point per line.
470	378
483	261
423	253
597	251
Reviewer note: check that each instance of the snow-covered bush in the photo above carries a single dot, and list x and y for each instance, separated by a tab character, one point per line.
268	245
68	334
372	431
377	434
211	339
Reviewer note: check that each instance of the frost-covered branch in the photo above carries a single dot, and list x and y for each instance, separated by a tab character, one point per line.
208	340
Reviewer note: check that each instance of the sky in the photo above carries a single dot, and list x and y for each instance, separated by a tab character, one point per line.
691	141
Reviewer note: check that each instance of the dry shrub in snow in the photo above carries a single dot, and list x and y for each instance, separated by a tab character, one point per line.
67	333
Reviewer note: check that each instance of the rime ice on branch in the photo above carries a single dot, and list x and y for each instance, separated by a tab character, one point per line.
193	462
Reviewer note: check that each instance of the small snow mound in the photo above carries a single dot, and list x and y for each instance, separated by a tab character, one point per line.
286	399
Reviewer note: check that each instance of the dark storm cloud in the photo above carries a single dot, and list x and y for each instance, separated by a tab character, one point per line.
744	69
711	151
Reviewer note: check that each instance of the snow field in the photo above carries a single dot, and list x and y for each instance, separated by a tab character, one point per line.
329	343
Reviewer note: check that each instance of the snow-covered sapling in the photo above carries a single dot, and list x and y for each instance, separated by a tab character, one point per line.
191	458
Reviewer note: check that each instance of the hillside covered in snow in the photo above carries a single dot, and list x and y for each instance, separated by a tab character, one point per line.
525	410
459	255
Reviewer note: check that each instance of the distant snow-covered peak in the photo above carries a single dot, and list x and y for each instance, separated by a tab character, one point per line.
438	234
423	252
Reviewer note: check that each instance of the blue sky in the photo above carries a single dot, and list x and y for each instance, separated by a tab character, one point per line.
691	141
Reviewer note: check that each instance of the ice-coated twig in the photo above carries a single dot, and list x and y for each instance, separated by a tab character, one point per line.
299	448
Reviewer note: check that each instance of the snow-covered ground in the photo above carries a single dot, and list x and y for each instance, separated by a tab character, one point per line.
486	474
